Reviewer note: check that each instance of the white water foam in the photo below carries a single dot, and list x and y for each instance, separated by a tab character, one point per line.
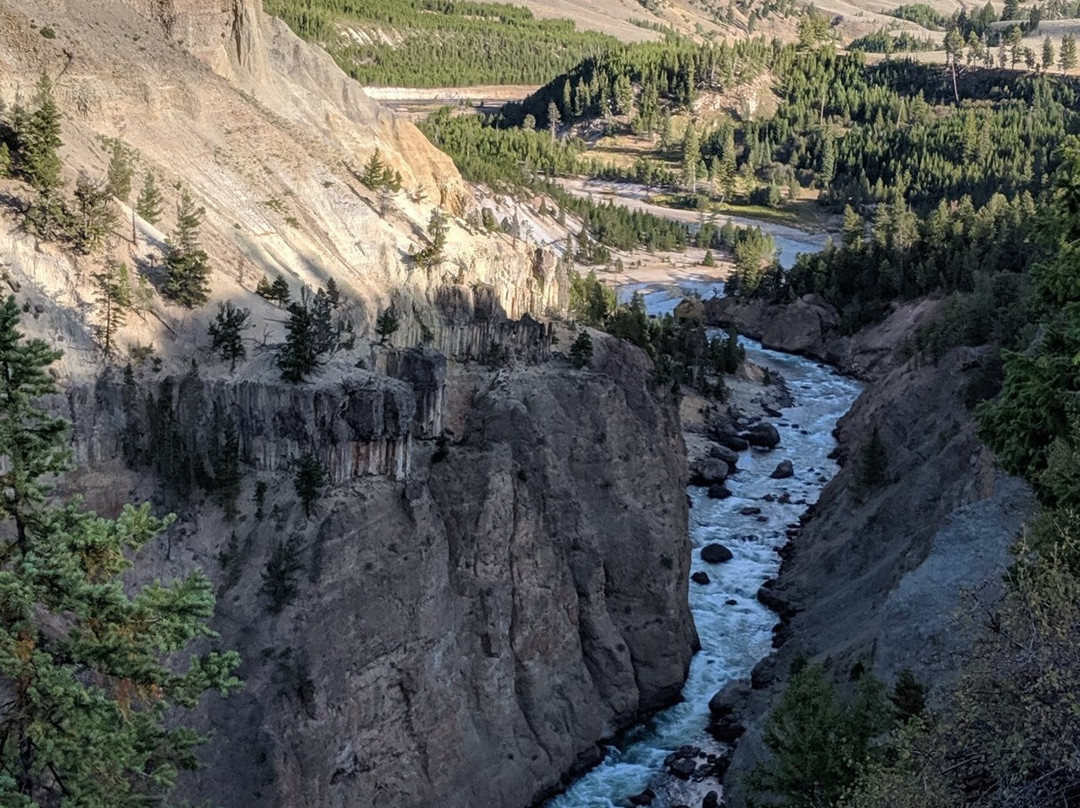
733	637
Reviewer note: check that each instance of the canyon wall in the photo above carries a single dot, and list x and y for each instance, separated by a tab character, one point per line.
875	579
473	615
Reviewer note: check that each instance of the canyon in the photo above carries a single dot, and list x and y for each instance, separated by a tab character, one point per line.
495	583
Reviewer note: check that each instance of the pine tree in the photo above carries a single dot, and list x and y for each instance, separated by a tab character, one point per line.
121	170
817	740
226	333
333	293
280	584
733	353
1067	55
437	230
386	324
581	351
691	157
309	481
873	464
38	144
225	469
5	160
39	141
186	264
1048	54
299	357
148	205
322	315
432	254
94	216
554	118
908	697
1016	47
113	286
377	175
90	666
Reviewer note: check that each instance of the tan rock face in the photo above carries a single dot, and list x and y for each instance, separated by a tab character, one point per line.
269	136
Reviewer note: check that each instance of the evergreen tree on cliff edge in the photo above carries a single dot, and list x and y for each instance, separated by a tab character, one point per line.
89	669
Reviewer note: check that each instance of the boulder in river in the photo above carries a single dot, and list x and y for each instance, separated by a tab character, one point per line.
700	577
646	797
712	800
725	706
721	452
718	491
783	470
708	471
763	436
683	767
734	442
715	554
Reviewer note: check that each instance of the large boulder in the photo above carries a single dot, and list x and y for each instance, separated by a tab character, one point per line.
783	470
709	471
733	442
719	491
725	706
729	456
715	554
763	435
689	310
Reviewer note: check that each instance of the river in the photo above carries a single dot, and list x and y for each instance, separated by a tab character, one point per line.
735	630
790	241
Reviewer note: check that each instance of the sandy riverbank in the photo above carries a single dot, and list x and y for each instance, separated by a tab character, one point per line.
662	268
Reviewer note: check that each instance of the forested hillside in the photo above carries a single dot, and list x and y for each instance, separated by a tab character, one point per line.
434	43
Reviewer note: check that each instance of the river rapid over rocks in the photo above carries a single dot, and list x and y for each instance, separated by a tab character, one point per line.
671	759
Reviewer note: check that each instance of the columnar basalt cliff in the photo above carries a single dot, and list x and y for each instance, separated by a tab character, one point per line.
473	616
493	578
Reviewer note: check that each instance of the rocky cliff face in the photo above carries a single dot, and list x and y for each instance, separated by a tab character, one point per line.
810	327
270	138
494	579
874	579
472	619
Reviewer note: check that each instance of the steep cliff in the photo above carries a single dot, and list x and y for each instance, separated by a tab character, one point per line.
875	578
270	137
494	577
810	327
470	620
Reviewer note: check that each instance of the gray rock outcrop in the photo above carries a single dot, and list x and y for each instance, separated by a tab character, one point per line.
467	630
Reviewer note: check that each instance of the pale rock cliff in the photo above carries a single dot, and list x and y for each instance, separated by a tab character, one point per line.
269	136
